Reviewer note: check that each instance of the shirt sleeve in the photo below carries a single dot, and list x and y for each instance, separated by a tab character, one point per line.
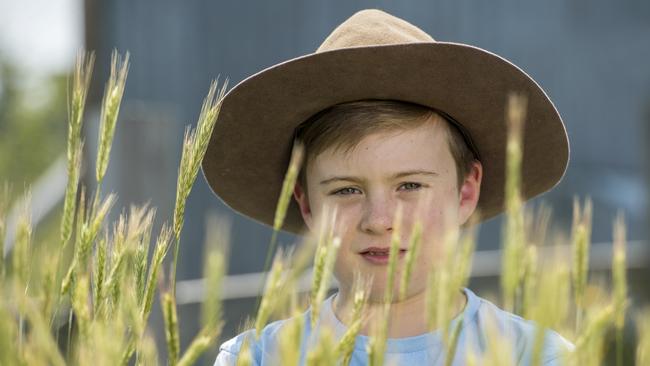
229	351
558	351
225	358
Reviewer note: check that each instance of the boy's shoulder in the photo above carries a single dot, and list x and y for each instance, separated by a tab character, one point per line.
521	333
231	348
258	346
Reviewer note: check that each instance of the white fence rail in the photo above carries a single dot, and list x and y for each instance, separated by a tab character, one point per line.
487	263
49	190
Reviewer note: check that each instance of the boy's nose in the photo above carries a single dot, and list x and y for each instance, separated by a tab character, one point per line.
377	216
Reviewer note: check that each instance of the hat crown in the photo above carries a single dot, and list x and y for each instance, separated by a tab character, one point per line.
372	27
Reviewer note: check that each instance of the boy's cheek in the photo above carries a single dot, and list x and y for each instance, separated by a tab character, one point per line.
347	219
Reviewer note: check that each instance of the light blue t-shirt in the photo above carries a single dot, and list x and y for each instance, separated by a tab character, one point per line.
425	349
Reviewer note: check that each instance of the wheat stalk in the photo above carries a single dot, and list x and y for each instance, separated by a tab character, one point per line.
412	253
76	103
21	267
147	352
323	354
550	309
195	145
288	184
273	285
619	277
498	348
244	358
80	305
39	331
110	287
128	234
171	326
376	347
100	271
377	344
321	261
441	284
214	267
89	229
48	288
514	236
4	206
290	338
211	309
184	185
530	282
198	346
361	291
8	331
458	279
643	346
160	250
463	260
453	344
110	109
581	242
589	345
142	254
21	258
393	253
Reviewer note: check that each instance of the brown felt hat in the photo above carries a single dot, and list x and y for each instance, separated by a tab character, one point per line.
374	55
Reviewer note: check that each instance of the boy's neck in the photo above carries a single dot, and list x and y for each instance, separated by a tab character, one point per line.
407	318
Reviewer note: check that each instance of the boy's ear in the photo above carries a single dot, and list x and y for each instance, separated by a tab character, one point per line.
300	195
470	192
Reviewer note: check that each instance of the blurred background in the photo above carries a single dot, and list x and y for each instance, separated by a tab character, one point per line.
591	57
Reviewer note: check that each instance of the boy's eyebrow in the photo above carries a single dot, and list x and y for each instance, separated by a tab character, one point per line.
394	176
334	179
413	172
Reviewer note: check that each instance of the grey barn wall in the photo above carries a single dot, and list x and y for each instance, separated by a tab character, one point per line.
589	56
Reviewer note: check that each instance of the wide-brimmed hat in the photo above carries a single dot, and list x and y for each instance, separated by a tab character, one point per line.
374	55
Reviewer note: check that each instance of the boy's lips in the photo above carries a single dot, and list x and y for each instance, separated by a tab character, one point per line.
379	255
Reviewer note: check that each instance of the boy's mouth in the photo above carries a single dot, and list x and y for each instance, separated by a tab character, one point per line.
376	255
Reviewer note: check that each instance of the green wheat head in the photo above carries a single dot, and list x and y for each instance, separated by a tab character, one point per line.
110	109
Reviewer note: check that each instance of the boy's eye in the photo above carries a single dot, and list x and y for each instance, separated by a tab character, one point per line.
410	186
345	191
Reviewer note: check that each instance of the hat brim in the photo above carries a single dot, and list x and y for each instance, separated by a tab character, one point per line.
250	147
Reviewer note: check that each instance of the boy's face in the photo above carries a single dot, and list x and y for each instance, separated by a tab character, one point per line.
407	167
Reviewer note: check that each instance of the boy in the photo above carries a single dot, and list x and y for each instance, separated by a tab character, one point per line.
388	117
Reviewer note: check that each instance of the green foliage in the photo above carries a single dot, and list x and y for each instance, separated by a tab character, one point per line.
30	115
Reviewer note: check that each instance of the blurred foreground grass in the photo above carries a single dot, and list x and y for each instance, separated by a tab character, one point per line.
85	295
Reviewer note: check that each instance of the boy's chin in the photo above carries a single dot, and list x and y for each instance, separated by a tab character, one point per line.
378	294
